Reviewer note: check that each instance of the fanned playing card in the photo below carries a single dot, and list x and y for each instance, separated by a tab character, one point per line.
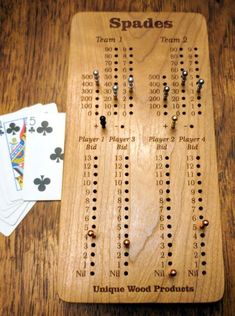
44	158
13	135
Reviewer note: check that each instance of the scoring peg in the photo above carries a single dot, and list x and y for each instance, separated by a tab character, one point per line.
166	91
96	76
200	83
204	223
184	75
130	83
91	233
103	121
115	91
172	273
174	120
126	243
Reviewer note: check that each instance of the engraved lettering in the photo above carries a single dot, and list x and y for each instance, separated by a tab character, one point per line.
147	24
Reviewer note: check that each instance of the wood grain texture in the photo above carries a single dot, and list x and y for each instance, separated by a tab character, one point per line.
34	41
161	220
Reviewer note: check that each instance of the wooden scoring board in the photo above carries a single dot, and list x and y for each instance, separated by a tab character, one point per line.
138	178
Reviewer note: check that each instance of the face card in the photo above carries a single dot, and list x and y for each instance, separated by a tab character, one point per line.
6	175
13	145
44	158
12	141
15	132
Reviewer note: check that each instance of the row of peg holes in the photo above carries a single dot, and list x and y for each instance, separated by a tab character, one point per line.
126	208
94	208
202	235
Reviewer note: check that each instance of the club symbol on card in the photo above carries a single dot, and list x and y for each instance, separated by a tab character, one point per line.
31	130
44	128
13	129
42	183
57	155
1	132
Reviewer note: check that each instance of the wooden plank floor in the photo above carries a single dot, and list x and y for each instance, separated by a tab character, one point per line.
34	41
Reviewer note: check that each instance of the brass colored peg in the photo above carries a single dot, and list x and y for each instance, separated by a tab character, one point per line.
204	223
126	243
91	233
172	273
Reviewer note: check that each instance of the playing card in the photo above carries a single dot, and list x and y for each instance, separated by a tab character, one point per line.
12	207
15	132
44	158
6	179
6	229
13	146
11	219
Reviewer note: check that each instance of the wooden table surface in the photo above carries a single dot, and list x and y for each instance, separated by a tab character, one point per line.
34	42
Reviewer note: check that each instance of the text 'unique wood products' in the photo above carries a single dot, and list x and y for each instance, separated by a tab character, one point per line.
140	216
